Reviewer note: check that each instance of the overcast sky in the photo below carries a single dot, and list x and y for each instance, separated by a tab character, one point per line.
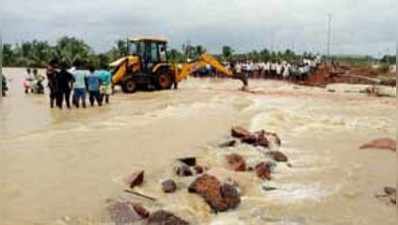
359	26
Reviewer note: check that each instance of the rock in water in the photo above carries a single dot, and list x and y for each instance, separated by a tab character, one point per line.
162	217
278	156
199	169
123	213
210	189
135	179
390	190
169	186
189	161
230	195
227	144
183	170
240	132
381	143
236	162
263	170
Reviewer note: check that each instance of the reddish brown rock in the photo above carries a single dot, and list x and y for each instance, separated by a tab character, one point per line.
199	169
278	156
163	217
250	139
239	132
210	189
169	186
381	143
236	162
135	179
263	170
262	140
273	136
122	213
230	195
140	210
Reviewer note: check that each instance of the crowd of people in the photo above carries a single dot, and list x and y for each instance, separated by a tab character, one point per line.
299	70
276	70
33	82
283	70
79	81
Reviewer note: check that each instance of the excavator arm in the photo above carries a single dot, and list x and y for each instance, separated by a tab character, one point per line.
204	60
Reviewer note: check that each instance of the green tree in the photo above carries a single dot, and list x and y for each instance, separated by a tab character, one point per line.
227	52
69	49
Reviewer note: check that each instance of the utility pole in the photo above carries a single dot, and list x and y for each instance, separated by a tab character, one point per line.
329	35
396	94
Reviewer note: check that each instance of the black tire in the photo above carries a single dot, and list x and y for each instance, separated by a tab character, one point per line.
129	86
164	80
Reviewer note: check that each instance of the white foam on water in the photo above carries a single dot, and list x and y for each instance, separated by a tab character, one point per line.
295	192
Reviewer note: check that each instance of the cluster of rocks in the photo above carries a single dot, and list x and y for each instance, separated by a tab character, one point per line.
219	195
260	138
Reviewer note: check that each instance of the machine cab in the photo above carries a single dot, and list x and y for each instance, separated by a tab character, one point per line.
151	51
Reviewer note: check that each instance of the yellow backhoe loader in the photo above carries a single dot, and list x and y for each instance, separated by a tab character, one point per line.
147	65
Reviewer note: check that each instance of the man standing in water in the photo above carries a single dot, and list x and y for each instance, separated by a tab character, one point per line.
93	87
106	83
79	86
51	74
63	83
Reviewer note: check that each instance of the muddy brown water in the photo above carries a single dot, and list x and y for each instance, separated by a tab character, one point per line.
61	167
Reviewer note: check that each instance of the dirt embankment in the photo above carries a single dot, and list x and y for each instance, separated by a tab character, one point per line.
327	74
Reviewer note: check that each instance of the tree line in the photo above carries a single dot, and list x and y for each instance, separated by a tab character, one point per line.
69	49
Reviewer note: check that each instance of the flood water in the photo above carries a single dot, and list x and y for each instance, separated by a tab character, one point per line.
61	167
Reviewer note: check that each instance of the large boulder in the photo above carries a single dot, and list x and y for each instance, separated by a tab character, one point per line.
163	217
381	143
219	197
135	179
122	213
236	162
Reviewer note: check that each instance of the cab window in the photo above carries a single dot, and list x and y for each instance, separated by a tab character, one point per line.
154	52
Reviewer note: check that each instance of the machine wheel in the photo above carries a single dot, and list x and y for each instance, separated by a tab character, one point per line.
164	80
129	86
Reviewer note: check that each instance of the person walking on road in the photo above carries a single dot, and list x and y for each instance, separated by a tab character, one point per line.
93	87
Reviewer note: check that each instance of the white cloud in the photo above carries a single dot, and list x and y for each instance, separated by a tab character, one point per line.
359	26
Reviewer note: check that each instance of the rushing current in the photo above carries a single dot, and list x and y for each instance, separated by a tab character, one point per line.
62	166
